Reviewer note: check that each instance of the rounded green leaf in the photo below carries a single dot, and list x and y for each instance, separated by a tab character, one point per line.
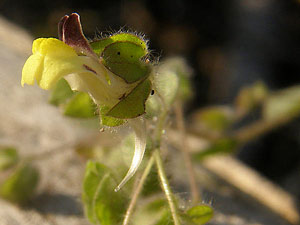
99	45
132	105
8	157
214	118
167	84
223	145
61	92
124	60
80	106
20	186
250	97
200	214
102	204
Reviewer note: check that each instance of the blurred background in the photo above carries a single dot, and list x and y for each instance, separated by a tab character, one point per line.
228	43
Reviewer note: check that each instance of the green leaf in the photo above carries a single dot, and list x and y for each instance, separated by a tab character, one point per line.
151	211
99	45
166	219
251	96
223	145
153	106
152	183
61	92
101	203
215	118
108	120
124	60
80	106
133	105
8	157
180	68
20	186
200	214
166	85
282	104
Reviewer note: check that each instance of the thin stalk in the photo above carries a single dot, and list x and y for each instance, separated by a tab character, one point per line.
160	127
262	126
166	187
137	191
185	153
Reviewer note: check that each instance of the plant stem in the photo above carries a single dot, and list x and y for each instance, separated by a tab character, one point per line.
160	127
137	191
166	187
185	152
263	126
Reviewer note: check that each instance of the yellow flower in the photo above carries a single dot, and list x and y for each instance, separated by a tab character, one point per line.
52	60
118	96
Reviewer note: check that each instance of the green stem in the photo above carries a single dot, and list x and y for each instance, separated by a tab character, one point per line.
137	191
185	152
263	126
166	187
160	127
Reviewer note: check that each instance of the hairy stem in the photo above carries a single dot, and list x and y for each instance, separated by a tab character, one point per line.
137	191
160	127
185	152
166	187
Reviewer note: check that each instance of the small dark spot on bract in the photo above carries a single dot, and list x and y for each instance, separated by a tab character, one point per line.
131	56
119	53
152	92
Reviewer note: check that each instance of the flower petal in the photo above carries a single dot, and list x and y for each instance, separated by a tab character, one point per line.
70	32
51	60
32	69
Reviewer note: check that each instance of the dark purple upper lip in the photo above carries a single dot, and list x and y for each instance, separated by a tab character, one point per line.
70	32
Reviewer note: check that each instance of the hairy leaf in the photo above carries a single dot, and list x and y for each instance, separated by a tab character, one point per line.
80	106
8	157
101	203
61	92
99	45
133	105
20	186
166	84
200	214
124	60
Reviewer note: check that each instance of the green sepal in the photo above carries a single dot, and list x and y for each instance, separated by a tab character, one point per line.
132	105
20	186
8	157
108	120
99	45
124	60
80	106
101	203
61	92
